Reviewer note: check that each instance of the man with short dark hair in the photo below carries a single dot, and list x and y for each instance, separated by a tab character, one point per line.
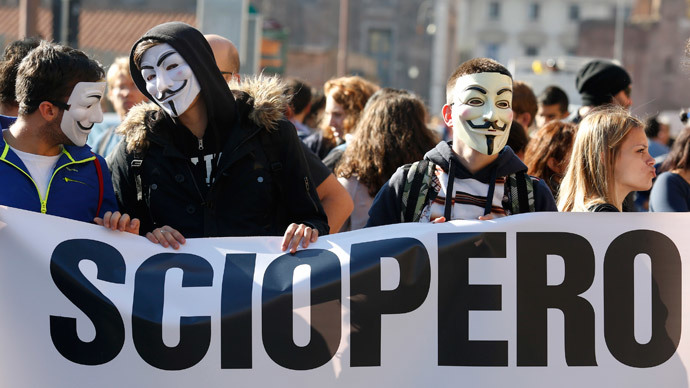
473	176
658	133
44	163
9	65
552	105
524	105
300	101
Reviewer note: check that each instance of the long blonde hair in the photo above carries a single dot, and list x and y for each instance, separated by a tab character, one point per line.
589	178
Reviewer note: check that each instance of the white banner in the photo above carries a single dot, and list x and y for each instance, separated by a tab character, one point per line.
536	300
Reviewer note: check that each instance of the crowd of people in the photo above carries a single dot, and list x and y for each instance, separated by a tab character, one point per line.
199	151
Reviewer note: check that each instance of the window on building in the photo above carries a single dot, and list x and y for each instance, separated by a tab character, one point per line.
380	48
531	51
534	9
492	51
574	12
494	10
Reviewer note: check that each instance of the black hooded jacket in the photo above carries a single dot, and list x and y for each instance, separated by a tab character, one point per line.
387	206
259	182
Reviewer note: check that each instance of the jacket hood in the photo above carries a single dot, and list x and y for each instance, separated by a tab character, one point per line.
196	51
506	163
259	99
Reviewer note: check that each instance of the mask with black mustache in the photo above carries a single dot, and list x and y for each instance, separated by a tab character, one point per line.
169	79
82	110
481	112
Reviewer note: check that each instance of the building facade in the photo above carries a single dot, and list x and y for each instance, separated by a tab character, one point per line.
388	41
654	53
508	29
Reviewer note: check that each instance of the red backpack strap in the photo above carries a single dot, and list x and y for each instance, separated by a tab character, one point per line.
99	172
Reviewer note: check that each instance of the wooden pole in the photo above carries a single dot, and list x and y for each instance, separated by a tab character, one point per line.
341	69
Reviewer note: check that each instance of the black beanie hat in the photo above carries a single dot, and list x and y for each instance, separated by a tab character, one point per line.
598	81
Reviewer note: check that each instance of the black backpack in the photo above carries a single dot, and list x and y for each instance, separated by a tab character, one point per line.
518	187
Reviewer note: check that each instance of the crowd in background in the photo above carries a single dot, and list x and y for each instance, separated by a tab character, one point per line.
358	154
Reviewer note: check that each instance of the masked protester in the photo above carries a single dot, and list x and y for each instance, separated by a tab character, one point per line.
476	176
45	165
203	162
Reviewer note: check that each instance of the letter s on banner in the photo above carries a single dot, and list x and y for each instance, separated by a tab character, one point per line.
110	330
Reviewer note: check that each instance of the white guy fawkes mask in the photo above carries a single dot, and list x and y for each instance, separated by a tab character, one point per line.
481	111
84	109
169	79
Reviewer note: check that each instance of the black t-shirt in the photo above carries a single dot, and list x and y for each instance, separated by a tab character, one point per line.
319	171
203	154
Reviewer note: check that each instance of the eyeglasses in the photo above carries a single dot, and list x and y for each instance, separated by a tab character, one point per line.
60	105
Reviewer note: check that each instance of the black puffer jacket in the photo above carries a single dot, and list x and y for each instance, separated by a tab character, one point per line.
246	197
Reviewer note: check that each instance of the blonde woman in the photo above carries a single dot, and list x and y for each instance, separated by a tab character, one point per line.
610	159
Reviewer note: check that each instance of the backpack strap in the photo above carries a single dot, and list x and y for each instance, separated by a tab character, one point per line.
99	173
417	180
520	190
137	161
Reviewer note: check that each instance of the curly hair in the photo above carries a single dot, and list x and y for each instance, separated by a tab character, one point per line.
352	94
392	132
553	140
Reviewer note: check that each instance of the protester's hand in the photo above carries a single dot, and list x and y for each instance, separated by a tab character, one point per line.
167	237
296	234
439	220
118	221
487	217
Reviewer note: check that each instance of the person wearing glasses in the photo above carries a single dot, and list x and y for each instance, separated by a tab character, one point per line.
227	57
45	164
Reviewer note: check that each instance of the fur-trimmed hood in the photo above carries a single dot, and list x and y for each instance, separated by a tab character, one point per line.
264	96
260	99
